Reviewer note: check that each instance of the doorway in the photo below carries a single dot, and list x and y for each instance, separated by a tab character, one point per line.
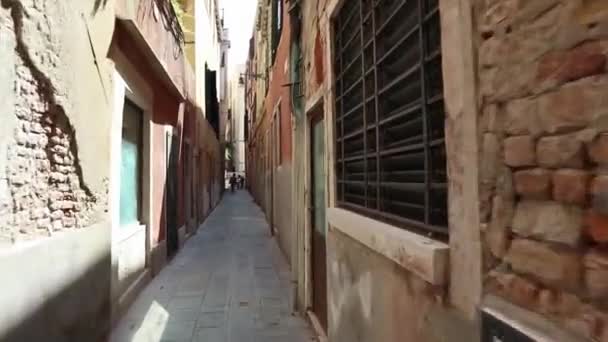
171	194
317	219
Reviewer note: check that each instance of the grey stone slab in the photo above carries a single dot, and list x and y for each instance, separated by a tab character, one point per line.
213	319
184	315
185	302
211	335
229	283
178	331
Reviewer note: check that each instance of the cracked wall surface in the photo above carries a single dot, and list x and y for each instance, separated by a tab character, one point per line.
55	235
54	166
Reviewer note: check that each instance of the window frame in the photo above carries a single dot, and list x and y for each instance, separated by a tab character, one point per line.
276	28
421	28
140	159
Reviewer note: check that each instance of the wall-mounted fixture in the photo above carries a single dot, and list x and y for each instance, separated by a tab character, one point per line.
254	76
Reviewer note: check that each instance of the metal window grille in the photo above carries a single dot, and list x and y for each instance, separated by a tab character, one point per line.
390	149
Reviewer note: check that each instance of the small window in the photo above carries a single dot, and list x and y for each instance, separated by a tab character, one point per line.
277	26
390	147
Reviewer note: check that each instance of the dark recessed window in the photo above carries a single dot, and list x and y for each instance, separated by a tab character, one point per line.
277	26
390	149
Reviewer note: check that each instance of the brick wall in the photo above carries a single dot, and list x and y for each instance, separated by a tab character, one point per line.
44	191
544	147
277	90
44	174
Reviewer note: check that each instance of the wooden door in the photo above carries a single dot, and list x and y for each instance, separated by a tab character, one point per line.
317	205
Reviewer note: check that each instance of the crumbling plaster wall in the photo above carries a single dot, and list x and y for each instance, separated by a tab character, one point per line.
55	156
54	167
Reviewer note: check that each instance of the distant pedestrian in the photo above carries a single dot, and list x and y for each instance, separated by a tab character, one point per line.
241	182
232	182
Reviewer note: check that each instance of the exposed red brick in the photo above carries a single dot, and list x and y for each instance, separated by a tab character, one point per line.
568	304
584	324
521	117
533	184
319	59
598	149
548	301
570	186
520	151
597	226
596	273
573	106
560	151
551	265
548	221
599	190
599	185
524	292
565	66
498	283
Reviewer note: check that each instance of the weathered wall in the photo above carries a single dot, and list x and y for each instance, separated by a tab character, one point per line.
311	13
280	95
282	213
207	47
543	85
278	92
370	298
45	301
53	181
54	169
272	190
313	45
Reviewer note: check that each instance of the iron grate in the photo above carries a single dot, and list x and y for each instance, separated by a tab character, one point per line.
390	116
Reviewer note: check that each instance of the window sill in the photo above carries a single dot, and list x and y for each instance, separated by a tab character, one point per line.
124	233
427	258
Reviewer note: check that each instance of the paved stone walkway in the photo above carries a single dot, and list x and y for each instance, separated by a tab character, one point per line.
229	283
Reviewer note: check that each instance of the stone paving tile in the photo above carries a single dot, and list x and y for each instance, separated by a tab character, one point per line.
184	315
230	283
186	302
212	319
211	335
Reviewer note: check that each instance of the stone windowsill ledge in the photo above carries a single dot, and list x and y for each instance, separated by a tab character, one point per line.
427	258
124	233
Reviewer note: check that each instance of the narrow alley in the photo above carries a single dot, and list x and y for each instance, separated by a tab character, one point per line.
229	283
405	170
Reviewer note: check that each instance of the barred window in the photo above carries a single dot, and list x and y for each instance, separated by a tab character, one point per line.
390	149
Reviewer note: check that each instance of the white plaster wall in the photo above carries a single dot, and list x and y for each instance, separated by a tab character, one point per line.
237	105
283	211
131	258
59	289
45	281
207	49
